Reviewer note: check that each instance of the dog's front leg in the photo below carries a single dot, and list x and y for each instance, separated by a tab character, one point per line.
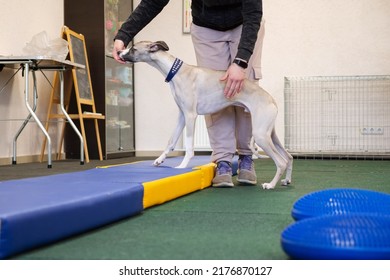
173	140
188	140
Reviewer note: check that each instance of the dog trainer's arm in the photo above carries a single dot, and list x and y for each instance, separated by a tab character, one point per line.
252	13
143	14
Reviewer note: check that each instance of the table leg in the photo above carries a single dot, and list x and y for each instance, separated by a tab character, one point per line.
61	75
32	113
27	119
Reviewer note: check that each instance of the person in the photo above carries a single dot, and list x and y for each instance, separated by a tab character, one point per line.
227	35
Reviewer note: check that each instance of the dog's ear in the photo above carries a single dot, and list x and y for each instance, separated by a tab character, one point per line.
158	46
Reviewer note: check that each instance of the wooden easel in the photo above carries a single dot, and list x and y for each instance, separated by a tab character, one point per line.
81	80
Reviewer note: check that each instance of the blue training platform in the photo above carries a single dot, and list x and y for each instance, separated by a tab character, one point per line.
42	210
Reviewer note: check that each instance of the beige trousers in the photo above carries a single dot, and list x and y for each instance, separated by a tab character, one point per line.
229	129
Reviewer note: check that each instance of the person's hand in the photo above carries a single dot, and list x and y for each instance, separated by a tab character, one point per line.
118	46
234	78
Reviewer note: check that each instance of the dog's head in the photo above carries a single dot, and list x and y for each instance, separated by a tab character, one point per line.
142	51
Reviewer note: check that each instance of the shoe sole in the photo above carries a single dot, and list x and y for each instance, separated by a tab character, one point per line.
223	185
247	182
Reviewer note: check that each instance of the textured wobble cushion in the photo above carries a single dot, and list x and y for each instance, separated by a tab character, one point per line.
339	202
350	236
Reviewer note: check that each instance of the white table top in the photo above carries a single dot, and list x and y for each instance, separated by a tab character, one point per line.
40	60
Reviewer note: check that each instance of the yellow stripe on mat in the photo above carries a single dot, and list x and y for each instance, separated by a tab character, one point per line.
119	164
163	190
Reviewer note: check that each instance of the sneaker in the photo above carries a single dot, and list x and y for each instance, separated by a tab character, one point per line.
223	175
246	171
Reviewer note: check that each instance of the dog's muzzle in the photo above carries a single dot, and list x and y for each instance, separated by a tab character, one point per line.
121	54
124	55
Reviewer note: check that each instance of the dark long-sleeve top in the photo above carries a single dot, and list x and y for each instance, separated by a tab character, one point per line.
221	15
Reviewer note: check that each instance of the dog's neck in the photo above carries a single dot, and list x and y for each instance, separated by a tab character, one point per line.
162	61
174	69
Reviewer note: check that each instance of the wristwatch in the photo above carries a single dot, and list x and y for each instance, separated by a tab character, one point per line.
240	62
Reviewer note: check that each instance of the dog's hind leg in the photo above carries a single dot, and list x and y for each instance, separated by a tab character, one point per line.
188	140
255	149
173	140
265	142
285	155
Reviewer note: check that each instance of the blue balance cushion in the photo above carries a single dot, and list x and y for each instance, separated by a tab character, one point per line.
340	202
353	236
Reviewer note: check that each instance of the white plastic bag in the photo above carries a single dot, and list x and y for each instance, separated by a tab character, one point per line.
41	45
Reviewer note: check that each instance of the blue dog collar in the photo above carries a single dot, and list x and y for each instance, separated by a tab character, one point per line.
174	69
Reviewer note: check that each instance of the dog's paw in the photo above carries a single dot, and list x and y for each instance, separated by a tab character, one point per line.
267	186
285	182
157	162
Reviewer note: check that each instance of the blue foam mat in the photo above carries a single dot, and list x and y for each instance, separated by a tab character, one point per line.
353	236
341	201
37	211
42	210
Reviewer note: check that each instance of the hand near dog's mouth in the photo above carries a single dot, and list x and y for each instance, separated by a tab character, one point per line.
120	58
119	46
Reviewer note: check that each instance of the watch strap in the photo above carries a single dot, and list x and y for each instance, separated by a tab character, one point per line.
240	62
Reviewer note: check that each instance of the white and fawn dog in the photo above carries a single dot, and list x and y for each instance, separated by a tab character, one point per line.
199	91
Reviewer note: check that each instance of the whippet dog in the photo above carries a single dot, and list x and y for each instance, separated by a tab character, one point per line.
199	91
